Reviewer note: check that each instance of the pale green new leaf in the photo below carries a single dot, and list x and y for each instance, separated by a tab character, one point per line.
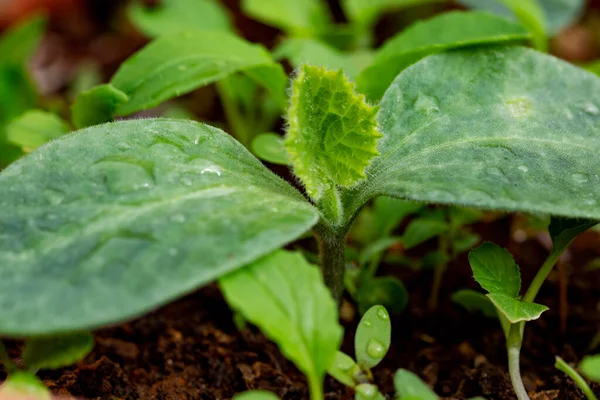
485	128
175	16
19	42
373	337
474	301
410	386
313	52
303	18
559	14
590	367
514	309
269	147
443	32
495	269
35	128
96	105
177	64
256	395
57	352
110	222
564	230
332	133
343	369
366	12
272	293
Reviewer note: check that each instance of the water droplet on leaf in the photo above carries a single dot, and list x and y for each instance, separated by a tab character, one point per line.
367	390
519	107
426	104
591	109
367	323
580	178
375	348
382	314
180	218
523	168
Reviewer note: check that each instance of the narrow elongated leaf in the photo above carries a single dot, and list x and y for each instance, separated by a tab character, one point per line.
272	294
332	131
144	211
57	352
485	128
176	64
410	386
516	310
564	230
175	16
373	337
443	32
590	367
559	14
299	18
97	105
495	269
18	43
35	128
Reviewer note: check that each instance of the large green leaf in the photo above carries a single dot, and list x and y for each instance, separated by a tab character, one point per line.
115	220
299	18
559	13
443	32
175	16
286	298
177	64
495	269
486	128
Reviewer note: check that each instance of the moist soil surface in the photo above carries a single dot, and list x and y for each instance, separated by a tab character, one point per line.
191	349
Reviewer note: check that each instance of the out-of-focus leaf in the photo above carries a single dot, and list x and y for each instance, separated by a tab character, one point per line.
35	128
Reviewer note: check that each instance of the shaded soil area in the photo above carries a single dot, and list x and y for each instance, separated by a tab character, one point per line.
191	349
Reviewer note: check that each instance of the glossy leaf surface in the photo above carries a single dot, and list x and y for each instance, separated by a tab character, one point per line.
133	198
272	294
486	128
299	18
443	32
373	337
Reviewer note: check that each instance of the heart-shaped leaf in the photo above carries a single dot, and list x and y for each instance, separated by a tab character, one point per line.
485	128
110	222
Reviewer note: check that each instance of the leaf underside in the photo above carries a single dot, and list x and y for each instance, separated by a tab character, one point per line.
332	131
110	222
504	128
516	310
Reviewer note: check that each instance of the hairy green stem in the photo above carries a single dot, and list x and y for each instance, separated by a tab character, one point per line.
513	346
561	365
9	365
333	261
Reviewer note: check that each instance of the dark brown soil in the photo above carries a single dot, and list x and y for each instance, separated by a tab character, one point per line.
191	349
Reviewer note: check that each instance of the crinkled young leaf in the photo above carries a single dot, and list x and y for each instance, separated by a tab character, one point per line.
57	352
475	301
272	293
559	13
443	32
96	105
564	230
24	386
19	42
314	52
256	395
35	128
269	147
514	309
299	18
590	367
420	230
175	16
373	337
332	133
485	128
89	222
177	64
408	385
495	269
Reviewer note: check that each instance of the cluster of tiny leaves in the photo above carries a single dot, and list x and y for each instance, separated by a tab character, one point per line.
332	132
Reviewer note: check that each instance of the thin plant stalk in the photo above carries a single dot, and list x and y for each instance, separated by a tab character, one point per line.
561	365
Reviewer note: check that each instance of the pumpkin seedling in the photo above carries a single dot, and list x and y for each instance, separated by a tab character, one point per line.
563	366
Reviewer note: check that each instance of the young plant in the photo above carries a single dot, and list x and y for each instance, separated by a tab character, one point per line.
42	353
563	366
495	270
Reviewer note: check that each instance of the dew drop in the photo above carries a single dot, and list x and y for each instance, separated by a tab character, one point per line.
426	104
579	178
591	109
367	391
367	323
568	113
180	218
382	314
182	68
123	146
375	348
345	364
519	107
186	181
495	171
211	170
523	168
54	197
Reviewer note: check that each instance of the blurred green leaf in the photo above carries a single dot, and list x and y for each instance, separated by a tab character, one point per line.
35	128
366	12
97	105
590	367
564	230
57	352
256	395
474	301
343	369
303	18
23	385
410	386
269	147
19	42
387	291
421	230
